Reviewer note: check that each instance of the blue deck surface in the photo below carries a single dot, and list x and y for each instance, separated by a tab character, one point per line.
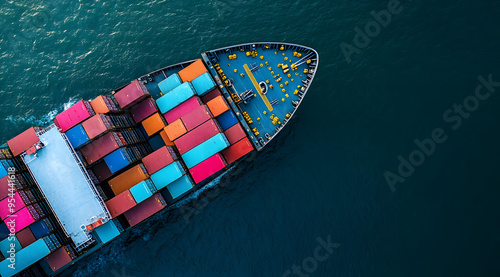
255	107
65	186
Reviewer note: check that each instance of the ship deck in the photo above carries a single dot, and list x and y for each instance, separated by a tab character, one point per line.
65	186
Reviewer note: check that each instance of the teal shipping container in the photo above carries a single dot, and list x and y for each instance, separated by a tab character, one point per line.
107	231
5	245
205	150
170	83
167	175
143	190
203	84
180	186
25	258
175	97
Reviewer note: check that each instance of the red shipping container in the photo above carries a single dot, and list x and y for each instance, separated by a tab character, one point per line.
158	159
184	108
197	136
237	150
196	117
94	126
99	148
25	237
75	115
101	171
4	187
211	95
23	141
145	209
143	110
235	134
131	94
120	203
207	168
58	259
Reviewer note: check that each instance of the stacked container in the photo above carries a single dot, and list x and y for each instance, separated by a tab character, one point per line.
104	104
131	94
74	115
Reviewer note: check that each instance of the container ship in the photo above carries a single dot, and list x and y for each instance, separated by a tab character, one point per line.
107	164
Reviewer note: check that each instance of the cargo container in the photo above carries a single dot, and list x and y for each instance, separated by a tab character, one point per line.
175	97
16	203
170	83
143	190
175	130
205	150
25	258
167	175
3	171
196	117
5	153
217	106
166	139
211	95
40	229
25	237
156	142
101	147
57	259
197	136
23	141
77	136
104	104
180	186
120	203
101	171
207	168
128	179
237	150
75	115
235	134
153	124
108	231
4	230
5	189
184	108
227	120
192	71
117	160
131	94
203	84
23	218
145	209
159	159
5	245
96	125
143	110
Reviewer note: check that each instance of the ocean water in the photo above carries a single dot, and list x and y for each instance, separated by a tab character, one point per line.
336	194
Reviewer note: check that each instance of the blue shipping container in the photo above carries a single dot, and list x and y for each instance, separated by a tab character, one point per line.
156	142
227	120
180	186
25	258
5	246
3	171
4	231
170	83
167	175
77	136
205	150
175	97
141	191
107	232
203	84
39	229
117	160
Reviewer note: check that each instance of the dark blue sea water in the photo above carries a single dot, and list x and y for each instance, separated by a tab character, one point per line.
324	179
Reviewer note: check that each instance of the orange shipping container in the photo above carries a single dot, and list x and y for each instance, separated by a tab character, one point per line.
175	130
193	71
217	106
153	124
128	179
99	105
166	139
